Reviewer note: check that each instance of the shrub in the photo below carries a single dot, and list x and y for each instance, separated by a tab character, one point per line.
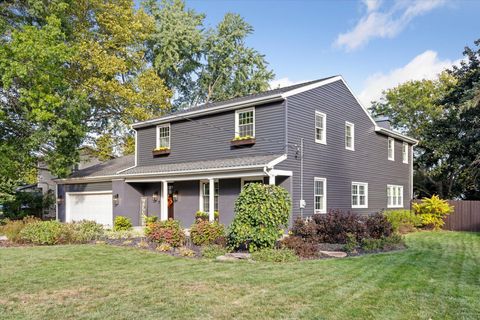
305	229
42	232
85	231
274	255
403	220
351	244
12	229
150	219
168	231
205	232
202	215
334	226
394	241
261	213
302	248
213	251
122	223
433	211
185	252
378	226
164	247
24	204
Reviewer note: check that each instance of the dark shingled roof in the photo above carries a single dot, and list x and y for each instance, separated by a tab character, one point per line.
204	165
106	168
110	168
240	99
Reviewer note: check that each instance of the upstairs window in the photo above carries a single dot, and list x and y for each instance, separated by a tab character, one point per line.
163	136
359	195
245	123
405	152
320	195
391	149
394	196
320	127
349	136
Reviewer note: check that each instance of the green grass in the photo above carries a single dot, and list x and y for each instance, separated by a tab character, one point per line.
438	277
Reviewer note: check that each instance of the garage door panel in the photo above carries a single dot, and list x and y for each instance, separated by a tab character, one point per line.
90	206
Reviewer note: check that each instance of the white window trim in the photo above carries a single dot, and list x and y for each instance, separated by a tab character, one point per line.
405	152
392	158
349	124
324	117
169	132
248	179
359	206
401	193
200	200
237	129
324	204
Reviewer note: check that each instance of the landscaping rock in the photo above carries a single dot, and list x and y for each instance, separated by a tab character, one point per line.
3	238
334	254
239	255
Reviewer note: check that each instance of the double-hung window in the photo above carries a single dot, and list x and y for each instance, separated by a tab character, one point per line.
405	152
359	195
205	196
163	136
391	149
245	123
394	196
320	195
320	127
349	136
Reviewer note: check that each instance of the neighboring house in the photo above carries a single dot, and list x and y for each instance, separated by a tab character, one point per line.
46	181
190	160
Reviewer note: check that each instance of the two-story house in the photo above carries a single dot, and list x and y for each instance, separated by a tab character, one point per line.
314	139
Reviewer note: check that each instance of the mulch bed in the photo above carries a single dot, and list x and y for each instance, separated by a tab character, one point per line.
9	244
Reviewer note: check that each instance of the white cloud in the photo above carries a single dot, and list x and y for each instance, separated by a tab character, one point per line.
371	4
283	82
388	23
426	65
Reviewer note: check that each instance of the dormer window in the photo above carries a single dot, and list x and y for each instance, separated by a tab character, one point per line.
245	123
163	136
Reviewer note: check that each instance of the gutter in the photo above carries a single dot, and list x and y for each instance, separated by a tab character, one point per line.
397	135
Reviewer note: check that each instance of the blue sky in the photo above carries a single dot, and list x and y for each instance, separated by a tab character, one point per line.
374	44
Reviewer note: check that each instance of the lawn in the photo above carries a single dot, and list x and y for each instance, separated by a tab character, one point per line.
438	277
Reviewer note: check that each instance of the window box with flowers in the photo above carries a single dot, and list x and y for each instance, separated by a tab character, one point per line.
243	141
161	151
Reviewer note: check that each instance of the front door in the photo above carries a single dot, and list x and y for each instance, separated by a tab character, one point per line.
170	201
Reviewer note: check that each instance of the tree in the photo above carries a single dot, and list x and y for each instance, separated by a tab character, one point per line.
444	114
70	71
203	65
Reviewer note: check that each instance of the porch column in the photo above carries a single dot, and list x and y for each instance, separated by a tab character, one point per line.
211	199
271	179
164	201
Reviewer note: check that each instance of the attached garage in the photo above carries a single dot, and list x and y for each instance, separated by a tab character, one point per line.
95	206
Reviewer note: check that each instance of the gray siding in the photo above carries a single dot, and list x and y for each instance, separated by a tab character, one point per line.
229	189
368	163
84	187
128	200
188	202
208	137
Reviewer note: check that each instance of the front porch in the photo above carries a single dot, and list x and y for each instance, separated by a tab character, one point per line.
179	196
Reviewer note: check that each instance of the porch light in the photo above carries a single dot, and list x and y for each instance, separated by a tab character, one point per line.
175	196
116	199
155	196
60	199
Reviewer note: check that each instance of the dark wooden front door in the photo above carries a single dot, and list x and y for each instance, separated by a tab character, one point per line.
170	201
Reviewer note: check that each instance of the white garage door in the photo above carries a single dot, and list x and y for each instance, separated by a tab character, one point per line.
95	206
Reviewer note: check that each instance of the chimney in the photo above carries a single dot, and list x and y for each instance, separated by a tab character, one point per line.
383	122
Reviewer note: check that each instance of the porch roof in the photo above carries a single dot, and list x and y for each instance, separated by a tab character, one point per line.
198	166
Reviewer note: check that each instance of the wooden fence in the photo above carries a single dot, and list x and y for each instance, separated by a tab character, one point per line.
466	216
